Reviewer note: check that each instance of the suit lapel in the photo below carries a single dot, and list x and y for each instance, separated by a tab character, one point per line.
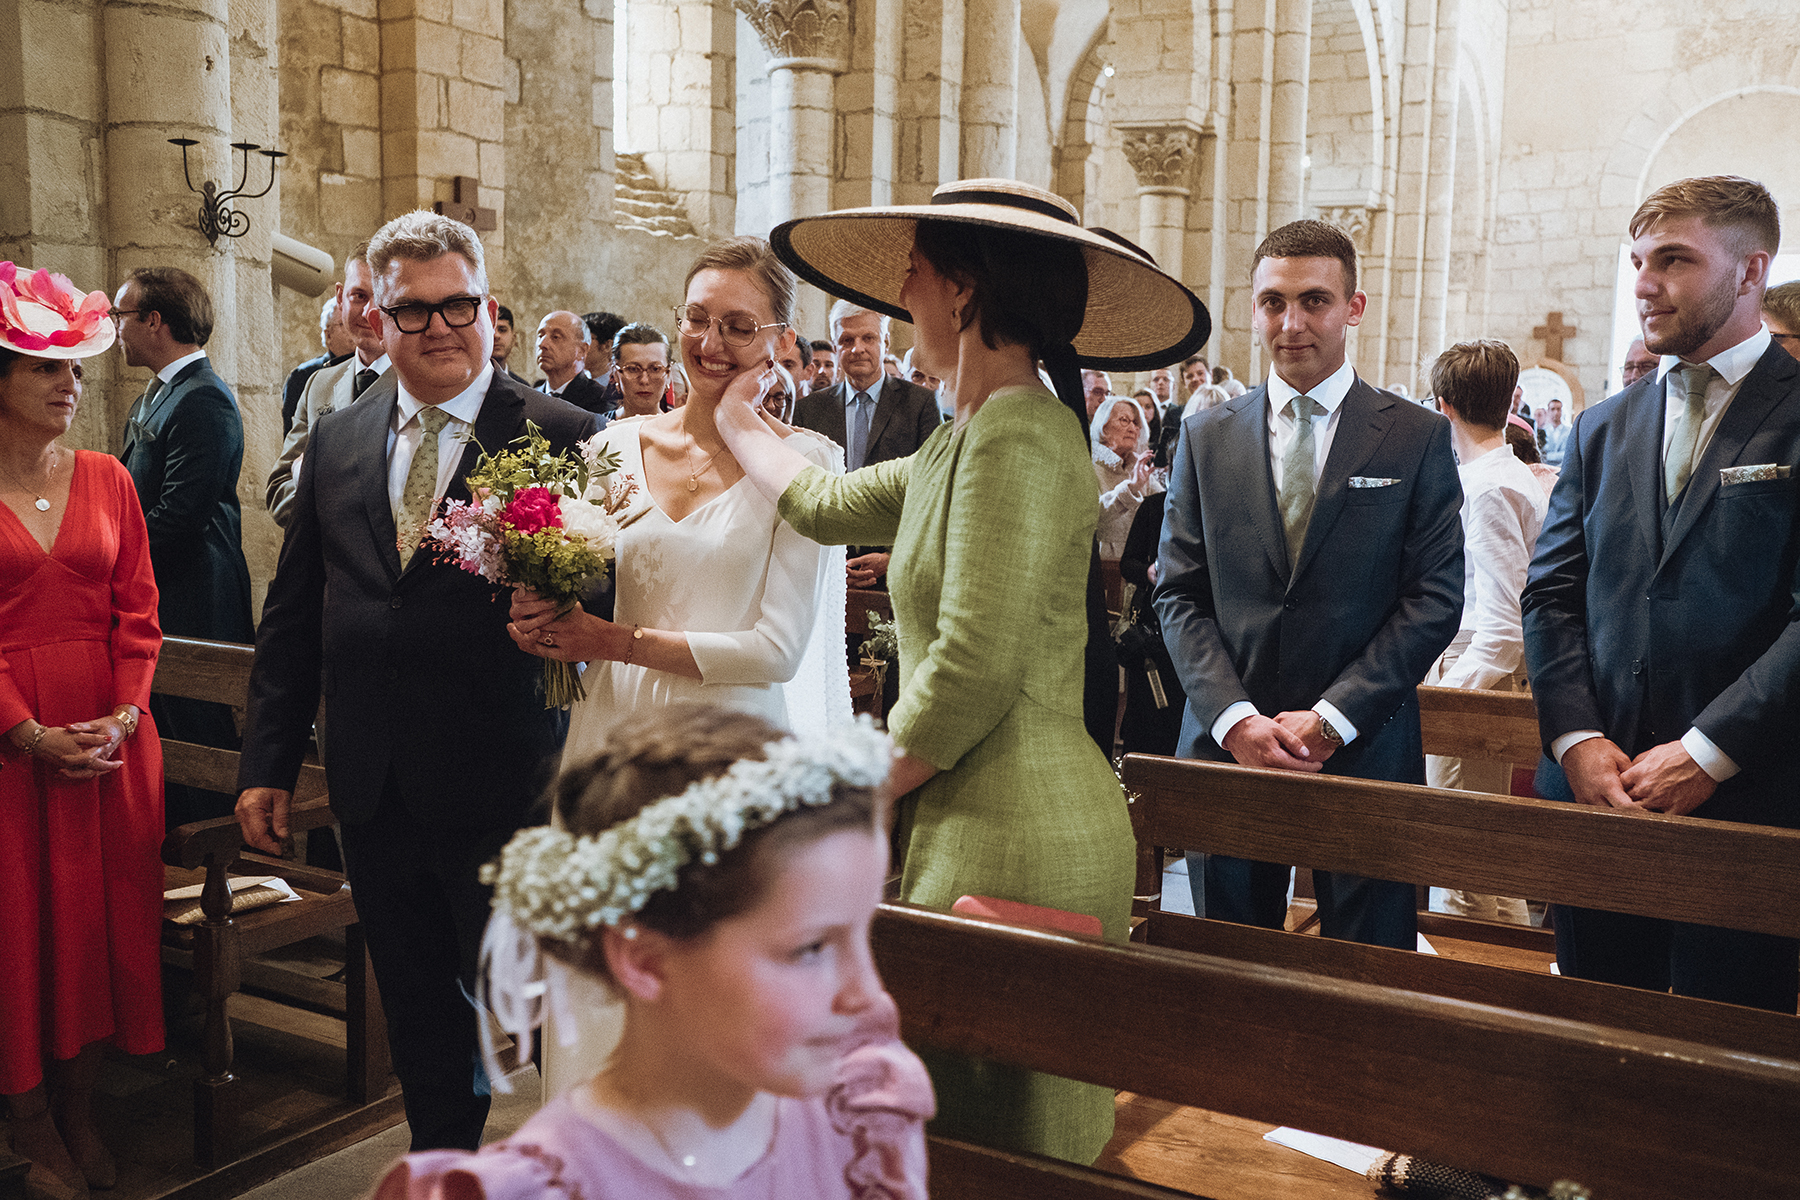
373	417
499	422
1643	456
1250	431
1362	425
885	403
1755	400
834	399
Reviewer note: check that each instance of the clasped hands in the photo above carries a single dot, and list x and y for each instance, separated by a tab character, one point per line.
540	627
83	749
1663	779
1289	741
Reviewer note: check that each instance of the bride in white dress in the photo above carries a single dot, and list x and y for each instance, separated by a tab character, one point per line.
717	598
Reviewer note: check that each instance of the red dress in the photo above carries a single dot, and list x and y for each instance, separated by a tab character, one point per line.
80	864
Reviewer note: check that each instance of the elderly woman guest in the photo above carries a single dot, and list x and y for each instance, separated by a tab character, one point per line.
992	522
81	812
1122	461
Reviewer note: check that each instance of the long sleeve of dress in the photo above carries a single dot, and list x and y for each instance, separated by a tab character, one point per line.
861	508
136	636
1022	509
793	593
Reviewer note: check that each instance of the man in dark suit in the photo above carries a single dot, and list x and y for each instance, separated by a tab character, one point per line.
184	446
1660	626
872	415
562	347
1310	571
437	738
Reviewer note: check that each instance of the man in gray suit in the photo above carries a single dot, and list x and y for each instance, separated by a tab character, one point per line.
1660	624
334	387
1311	570
872	415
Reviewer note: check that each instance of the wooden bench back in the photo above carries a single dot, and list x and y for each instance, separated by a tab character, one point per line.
1682	868
1470	723
1524	1096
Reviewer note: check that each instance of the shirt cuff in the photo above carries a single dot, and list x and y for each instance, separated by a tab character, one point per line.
1561	745
1339	721
1230	717
1714	761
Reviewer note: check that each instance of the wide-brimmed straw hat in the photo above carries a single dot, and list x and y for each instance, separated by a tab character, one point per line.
1138	317
44	315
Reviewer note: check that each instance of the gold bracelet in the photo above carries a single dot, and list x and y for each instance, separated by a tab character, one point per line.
637	635
124	716
31	746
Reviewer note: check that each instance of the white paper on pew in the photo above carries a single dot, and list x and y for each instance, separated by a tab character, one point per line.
1425	947
237	883
1348	1155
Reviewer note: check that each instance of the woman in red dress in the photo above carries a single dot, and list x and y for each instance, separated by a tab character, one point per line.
81	809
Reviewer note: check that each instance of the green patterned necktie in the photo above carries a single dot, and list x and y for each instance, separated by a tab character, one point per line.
1684	438
1297	485
420	493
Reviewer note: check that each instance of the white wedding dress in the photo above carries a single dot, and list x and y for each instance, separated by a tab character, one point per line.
763	610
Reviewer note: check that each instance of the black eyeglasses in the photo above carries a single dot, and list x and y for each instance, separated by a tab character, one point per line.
739	329
458	312
117	313
1785	337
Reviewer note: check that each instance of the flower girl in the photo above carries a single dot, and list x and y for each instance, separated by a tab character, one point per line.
719	876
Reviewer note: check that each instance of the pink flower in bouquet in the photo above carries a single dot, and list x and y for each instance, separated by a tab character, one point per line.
532	509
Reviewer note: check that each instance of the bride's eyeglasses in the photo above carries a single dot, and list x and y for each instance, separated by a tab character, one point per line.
739	329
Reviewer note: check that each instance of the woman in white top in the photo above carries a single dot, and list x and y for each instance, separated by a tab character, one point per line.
1121	446
1502	511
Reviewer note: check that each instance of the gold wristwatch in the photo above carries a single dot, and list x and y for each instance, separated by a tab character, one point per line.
1331	735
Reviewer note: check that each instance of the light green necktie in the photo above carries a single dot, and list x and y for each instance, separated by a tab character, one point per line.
1297	486
420	493
1684	438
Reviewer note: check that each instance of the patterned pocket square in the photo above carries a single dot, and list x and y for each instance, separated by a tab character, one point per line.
1757	474
1371	481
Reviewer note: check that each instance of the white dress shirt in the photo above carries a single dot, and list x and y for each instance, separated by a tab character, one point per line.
1730	367
1329	395
1502	511
168	373
406	432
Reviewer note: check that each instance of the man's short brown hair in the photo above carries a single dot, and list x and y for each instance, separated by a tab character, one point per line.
1310	239
1732	202
422	236
1477	380
1783	303
180	300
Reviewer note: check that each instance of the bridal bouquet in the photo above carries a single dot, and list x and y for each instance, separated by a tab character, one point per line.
532	525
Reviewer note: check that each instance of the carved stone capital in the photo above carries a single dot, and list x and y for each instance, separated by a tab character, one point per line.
806	29
1353	219
1162	155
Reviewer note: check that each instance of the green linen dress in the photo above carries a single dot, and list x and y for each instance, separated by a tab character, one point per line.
991	526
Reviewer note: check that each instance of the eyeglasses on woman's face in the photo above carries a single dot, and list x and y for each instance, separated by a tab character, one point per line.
638	371
738	329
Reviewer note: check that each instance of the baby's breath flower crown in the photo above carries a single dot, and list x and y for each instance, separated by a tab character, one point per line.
564	887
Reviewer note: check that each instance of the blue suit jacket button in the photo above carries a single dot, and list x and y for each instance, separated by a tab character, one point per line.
394	602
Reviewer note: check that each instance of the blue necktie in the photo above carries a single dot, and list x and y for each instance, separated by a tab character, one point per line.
859	429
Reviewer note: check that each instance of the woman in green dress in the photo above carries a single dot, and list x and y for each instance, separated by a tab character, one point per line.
992	523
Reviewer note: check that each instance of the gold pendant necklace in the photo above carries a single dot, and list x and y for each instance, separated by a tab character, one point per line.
688	455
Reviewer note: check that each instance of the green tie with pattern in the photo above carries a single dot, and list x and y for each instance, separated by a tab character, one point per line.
421	484
1684	438
1297	486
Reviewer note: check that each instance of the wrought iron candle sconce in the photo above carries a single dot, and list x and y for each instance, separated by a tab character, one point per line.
217	217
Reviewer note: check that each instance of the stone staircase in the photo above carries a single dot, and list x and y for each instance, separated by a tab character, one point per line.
640	202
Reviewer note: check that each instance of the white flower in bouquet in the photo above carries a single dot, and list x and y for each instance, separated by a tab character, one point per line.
590	522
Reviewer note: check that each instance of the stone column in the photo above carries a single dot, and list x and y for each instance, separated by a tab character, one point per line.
930	99
990	98
1163	158
809	44
1247	162
1287	114
1440	189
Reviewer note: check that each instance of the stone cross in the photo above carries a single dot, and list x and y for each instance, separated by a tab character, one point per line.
1554	333
466	205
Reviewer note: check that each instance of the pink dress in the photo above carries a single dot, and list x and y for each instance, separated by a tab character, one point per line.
81	874
863	1140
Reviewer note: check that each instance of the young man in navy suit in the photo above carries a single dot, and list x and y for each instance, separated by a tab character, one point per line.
1311	570
437	739
1660	624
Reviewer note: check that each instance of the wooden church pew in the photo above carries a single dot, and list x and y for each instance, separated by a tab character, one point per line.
1518	1094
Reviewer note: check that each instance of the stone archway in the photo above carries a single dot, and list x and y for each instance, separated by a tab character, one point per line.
1747	132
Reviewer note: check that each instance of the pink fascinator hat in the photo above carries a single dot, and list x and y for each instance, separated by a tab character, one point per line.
43	315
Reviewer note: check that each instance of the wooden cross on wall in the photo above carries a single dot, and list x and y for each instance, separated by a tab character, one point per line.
1554	333
466	205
